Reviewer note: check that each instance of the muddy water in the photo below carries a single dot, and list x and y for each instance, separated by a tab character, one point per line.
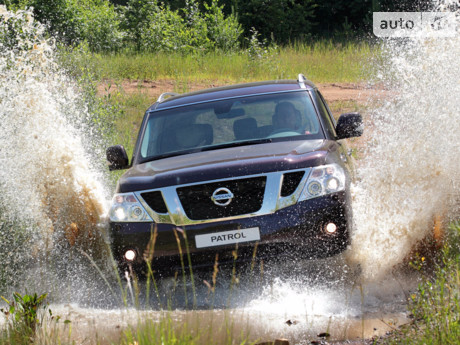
298	302
407	178
53	194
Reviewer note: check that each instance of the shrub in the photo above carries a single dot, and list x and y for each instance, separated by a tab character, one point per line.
23	311
153	27
289	20
136	19
224	31
99	24
165	31
74	21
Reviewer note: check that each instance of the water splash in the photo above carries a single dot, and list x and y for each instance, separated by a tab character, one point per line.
48	179
410	171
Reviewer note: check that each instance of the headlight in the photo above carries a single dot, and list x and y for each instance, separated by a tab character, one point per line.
324	180
126	208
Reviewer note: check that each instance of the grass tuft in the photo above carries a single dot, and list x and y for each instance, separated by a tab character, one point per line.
435	307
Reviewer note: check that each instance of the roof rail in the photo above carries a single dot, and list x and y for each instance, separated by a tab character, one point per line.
301	79
166	94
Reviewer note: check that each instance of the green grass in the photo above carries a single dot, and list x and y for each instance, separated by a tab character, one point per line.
435	306
192	328
323	61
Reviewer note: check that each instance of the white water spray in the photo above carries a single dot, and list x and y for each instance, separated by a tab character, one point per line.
410	172
47	178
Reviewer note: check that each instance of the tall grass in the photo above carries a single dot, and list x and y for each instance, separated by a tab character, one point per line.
323	61
436	305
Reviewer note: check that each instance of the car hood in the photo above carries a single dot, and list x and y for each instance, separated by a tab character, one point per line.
225	163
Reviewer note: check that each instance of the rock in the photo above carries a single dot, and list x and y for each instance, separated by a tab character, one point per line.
281	342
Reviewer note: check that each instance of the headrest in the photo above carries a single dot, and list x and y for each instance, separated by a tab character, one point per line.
194	136
245	128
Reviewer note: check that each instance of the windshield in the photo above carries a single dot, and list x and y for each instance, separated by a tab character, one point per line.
230	122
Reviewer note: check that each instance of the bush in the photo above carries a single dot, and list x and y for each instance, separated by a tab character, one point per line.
165	31
74	21
224	32
135	20
23	311
154	27
99	24
288	20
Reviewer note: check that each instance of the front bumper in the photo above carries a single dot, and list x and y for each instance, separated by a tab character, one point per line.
291	231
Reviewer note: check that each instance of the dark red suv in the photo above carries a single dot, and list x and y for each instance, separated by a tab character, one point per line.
254	166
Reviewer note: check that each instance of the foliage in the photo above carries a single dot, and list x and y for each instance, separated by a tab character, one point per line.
261	54
99	24
436	305
288	20
152	26
60	18
23	311
136	19
74	21
165	31
223	31
103	111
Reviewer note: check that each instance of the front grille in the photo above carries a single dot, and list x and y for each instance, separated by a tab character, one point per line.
248	198
155	201
290	182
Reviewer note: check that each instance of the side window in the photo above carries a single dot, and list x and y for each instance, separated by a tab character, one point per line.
326	115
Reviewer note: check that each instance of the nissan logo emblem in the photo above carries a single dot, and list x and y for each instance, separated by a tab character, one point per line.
222	197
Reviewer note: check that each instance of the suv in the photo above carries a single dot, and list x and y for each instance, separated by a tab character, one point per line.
260	167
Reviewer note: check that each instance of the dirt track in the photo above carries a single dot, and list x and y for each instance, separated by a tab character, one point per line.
341	97
333	92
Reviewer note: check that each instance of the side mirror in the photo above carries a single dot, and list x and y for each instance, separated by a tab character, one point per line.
117	157
349	125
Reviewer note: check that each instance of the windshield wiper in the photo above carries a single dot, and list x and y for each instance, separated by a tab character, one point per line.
236	144
207	148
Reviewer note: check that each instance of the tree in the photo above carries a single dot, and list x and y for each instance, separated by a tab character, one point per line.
136	19
282	20
74	21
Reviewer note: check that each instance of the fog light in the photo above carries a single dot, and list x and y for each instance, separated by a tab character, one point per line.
330	228
130	255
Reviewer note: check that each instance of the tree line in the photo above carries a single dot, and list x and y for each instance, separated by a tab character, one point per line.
186	25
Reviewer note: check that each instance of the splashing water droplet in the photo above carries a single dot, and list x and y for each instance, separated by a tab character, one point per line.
48	179
410	171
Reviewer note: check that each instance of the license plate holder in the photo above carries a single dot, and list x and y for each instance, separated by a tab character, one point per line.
227	237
